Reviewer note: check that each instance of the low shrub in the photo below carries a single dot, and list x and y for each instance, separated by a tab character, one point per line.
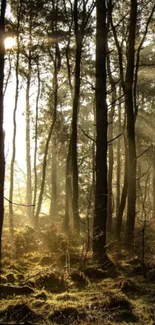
25	241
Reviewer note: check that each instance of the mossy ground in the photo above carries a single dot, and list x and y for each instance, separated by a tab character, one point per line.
78	293
58	297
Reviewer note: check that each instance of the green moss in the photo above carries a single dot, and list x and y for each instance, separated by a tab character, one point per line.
51	281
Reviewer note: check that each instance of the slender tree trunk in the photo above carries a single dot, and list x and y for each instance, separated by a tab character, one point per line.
36	143
129	104
53	205
101	191
68	181
153	182
9	59
94	153
54	114
110	136
14	128
118	156
28	149
111	162
43	174
28	142
119	216
76	99
68	191
2	159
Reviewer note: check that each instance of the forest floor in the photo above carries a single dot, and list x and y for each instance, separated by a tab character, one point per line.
36	289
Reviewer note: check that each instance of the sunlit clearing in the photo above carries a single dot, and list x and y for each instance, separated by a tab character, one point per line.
9	42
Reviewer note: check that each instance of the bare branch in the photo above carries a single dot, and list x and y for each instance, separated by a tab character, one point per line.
90	138
110	141
144	151
144	173
20	204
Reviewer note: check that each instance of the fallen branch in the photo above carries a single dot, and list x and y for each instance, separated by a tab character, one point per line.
30	277
11	290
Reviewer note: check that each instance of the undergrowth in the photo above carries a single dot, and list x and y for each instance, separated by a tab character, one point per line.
61	285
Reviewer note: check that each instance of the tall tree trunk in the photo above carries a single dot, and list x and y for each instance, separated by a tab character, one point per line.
119	215
28	142
2	159
14	127
53	205
54	114
111	162
68	191
101	191
28	147
68	180
36	142
40	198
76	99
93	153
9	59
153	182
118	155
129	105
110	136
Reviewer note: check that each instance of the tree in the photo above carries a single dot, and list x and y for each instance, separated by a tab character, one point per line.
28	113
110	137
101	191
129	106
79	35
2	159
55	57
36	136
129	51
68	175
14	122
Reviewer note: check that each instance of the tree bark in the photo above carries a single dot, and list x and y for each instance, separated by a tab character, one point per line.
53	205
153	183
2	158
119	215
111	159
40	198
68	180
54	115
118	155
68	191
75	110
28	142
129	105
14	127
36	143
101	191
28	148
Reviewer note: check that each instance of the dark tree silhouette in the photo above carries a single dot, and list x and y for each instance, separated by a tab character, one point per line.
2	159
101	192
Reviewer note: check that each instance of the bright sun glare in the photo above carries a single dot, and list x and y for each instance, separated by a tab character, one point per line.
9	42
